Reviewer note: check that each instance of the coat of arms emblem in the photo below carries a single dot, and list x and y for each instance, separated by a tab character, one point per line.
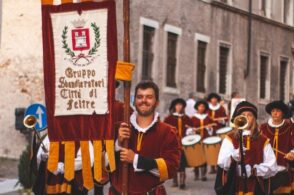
80	53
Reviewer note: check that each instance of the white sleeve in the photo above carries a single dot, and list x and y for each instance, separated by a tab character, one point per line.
224	157
190	131
268	167
78	159
135	164
209	130
117	146
46	143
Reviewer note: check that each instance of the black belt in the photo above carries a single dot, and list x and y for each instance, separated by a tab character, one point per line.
151	192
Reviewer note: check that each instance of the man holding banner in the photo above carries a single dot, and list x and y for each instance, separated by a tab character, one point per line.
154	153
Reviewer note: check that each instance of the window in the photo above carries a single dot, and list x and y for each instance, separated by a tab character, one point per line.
286	10
264	77
283	78
224	51
263	7
172	39
201	66
147	56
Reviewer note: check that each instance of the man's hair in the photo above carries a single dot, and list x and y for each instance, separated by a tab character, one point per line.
146	84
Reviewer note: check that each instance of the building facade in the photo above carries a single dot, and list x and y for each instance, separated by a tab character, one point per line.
185	46
202	46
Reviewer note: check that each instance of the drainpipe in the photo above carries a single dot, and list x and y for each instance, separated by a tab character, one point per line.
247	70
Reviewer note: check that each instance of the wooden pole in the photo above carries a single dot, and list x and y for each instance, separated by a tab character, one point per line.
127	88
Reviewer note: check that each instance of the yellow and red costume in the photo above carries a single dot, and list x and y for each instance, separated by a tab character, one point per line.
157	158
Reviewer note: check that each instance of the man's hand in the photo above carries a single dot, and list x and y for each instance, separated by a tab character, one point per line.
290	156
124	132
127	155
44	156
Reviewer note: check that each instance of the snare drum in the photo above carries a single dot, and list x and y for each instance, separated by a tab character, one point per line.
211	148
193	150
222	132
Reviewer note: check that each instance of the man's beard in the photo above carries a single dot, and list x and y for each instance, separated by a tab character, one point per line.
146	112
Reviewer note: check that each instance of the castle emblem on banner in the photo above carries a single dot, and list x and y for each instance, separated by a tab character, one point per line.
82	50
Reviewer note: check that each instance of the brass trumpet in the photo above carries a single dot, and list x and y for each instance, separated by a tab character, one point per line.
30	121
241	122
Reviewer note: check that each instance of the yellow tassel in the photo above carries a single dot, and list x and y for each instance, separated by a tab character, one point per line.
201	130
86	165
97	160
110	153
180	126
53	156
276	142
69	160
213	114
248	142
139	141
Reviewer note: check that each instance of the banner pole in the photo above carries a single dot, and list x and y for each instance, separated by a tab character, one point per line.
127	88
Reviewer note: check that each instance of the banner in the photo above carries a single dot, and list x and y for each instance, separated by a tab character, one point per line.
79	56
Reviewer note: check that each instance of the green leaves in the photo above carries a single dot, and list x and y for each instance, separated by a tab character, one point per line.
94	49
68	51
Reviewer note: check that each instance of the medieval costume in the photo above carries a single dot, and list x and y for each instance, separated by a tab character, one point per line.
200	120
217	112
157	154
55	183
282	140
181	122
259	160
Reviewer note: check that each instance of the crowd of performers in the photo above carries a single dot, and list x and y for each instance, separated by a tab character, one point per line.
158	151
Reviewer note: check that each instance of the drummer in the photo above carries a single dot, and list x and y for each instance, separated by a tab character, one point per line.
281	135
259	158
216	111
180	121
205	123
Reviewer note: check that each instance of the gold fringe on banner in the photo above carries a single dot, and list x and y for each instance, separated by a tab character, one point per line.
97	160
47	2
86	0
69	160
110	153
66	1
53	156
124	71
86	165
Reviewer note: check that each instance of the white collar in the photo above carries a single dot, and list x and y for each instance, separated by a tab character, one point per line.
177	114
133	121
212	107
270	123
200	116
246	132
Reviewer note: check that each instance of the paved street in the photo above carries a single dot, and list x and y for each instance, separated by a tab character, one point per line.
193	187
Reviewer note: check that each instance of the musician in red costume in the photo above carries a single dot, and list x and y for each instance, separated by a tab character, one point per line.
281	135
180	121
259	159
154	151
203	125
216	111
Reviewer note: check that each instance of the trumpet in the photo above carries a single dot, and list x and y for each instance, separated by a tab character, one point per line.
241	122
30	121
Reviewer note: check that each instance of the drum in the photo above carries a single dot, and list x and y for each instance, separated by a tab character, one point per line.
222	132
211	149
193	150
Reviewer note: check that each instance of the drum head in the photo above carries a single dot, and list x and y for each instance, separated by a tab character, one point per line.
212	140
191	140
224	130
